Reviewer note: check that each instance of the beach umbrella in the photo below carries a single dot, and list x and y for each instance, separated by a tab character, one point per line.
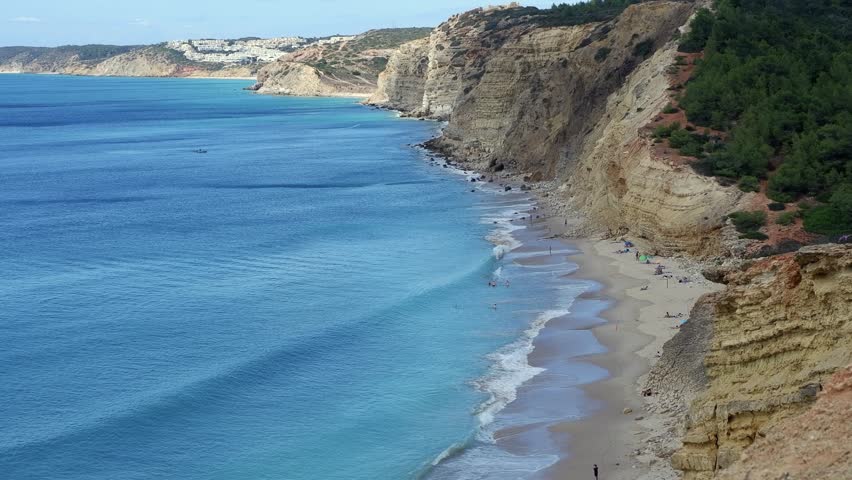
643	258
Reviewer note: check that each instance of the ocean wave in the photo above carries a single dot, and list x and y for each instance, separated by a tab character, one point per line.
481	457
254	186
487	462
510	369
193	393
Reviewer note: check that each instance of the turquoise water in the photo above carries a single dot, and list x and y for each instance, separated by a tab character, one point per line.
308	299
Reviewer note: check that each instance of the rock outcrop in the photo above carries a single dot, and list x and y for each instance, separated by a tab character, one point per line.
104	60
401	85
350	67
294	78
781	329
567	103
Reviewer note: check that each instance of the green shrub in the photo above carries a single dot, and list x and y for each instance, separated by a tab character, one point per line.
748	221
776	207
692	149
775	78
665	131
669	109
679	138
601	54
778	196
680	60
577	13
754	235
700	30
786	218
805	205
749	184
644	48
689	144
823	219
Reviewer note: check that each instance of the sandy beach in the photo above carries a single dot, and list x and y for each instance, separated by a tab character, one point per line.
635	330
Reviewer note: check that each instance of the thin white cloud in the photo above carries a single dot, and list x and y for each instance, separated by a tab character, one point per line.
25	19
140	22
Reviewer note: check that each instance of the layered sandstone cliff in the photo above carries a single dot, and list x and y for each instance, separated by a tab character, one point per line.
781	328
565	103
814	445
349	67
286	77
97	60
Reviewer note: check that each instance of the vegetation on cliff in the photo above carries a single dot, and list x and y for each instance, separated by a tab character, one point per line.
588	11
777	78
361	56
65	52
563	14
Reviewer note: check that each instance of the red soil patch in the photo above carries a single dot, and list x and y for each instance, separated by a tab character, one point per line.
678	75
778	233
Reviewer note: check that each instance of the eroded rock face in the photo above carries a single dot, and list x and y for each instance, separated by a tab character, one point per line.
616	177
401	84
294	78
814	445
781	328
565	103
151	61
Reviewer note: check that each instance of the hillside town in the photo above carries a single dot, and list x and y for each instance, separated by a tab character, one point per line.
246	51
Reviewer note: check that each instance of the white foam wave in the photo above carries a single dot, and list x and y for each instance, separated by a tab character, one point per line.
510	370
452	450
489	462
503	229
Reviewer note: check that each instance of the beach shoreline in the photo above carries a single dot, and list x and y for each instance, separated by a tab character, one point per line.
616	437
633	329
624	434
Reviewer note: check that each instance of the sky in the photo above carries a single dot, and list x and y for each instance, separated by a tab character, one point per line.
135	22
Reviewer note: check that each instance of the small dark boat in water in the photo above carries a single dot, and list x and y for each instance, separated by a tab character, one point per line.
200	150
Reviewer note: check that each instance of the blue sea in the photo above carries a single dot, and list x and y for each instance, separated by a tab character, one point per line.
199	282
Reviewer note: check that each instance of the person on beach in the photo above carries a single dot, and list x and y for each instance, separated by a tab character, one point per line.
595	468
507	284
637	255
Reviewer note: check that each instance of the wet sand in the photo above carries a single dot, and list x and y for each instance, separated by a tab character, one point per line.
630	323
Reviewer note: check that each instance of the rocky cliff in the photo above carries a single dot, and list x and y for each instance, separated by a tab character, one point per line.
107	60
780	330
812	446
567	103
349	67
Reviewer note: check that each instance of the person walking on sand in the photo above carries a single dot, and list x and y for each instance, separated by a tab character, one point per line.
595	468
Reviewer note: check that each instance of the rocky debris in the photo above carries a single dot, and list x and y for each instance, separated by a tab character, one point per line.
679	374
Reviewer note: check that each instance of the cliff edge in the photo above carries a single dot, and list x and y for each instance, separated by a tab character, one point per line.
347	68
781	328
565	103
